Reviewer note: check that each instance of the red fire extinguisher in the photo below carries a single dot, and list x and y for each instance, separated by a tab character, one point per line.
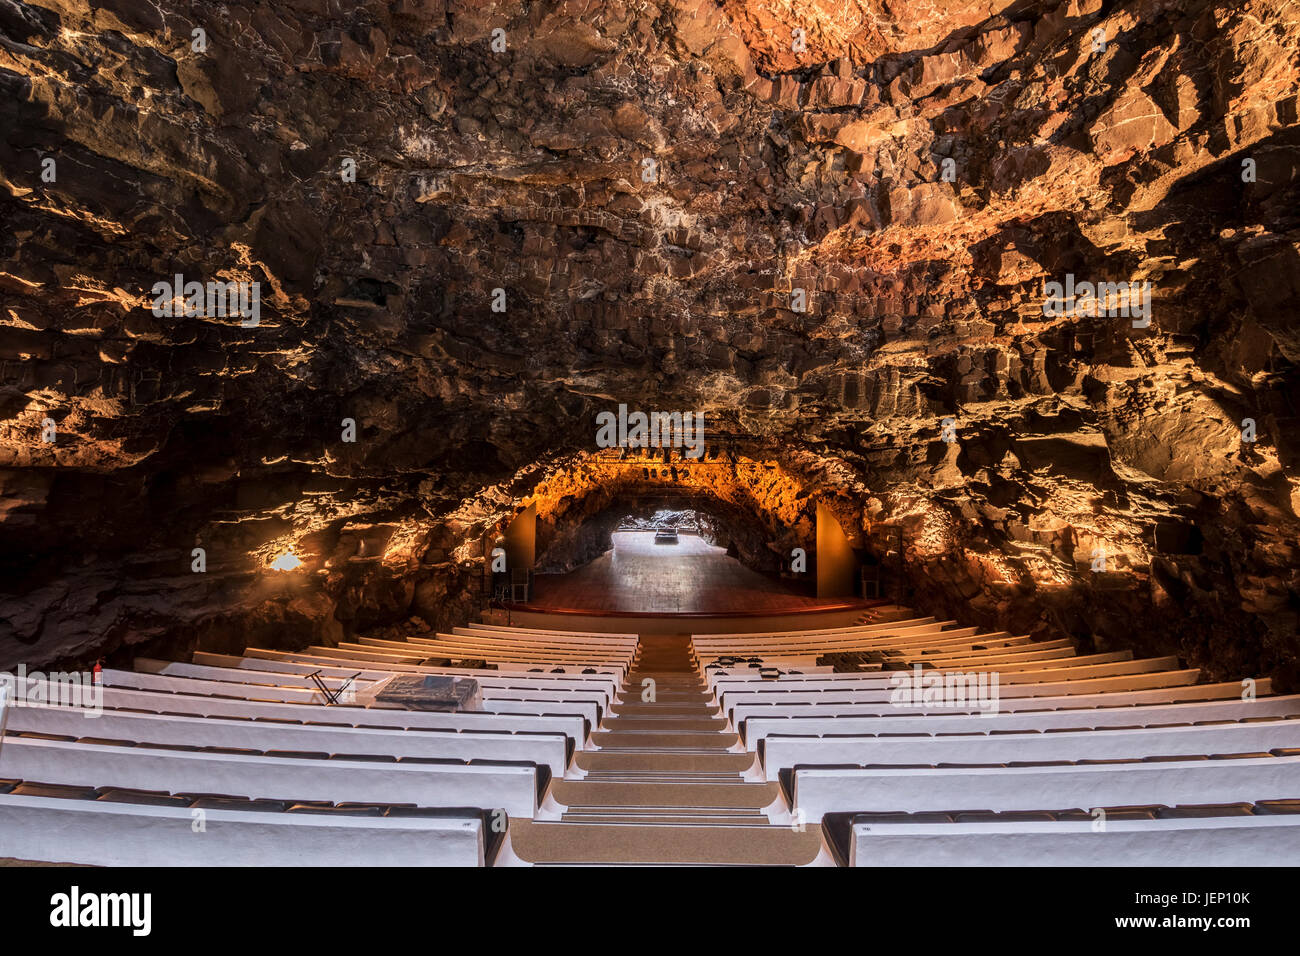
97	673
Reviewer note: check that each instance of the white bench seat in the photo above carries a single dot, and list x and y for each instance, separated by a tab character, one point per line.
341	671
519	658
816	792
571	725
875	680
1233	708
513	646
944	629
544	656
959	647
549	750
493	642
458	649
881	694
397	667
548	638
99	833
490	691
559	702
876	627
514	629
791	678
779	752
511	788
492	639
742	714
929	645
795	678
900	631
1246	841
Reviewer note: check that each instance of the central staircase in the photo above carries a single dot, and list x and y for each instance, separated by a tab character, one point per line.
667	785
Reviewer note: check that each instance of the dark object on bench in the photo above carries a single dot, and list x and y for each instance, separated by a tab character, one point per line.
666	537
429	692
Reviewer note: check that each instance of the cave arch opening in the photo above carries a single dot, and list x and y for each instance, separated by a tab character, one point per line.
746	530
666	552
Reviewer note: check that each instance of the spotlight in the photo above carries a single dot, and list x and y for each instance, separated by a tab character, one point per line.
287	562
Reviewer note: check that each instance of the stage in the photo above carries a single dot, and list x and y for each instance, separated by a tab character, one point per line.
690	586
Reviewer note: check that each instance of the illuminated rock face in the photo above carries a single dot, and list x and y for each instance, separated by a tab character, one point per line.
828	250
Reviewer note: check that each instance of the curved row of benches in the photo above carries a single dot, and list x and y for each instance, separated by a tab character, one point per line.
1081	759
911	741
225	760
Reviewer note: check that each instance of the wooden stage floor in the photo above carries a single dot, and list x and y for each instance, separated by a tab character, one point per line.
690	577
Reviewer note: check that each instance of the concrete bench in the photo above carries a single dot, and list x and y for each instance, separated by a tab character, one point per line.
544	749
340	671
513	629
424	650
521	662
705	647
513	788
817	791
877	680
851	629
729	700
490	691
1272	840
1232	708
780	752
742	714
392	648
792	678
595	651
967	639
1006	671
900	655
548	638
100	833
508	702
575	727
533	670
540	641
456	649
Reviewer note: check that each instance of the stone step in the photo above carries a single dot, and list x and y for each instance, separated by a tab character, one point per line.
730	813
582	793
663	760
667	819
597	843
664	710
673	725
648	777
649	740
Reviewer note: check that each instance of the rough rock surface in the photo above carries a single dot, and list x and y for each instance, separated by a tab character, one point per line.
654	187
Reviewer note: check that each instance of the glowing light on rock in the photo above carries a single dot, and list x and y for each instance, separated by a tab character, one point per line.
287	562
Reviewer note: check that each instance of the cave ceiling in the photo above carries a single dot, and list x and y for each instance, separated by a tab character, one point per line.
830	227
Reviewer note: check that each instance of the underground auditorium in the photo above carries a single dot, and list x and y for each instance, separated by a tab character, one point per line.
840	433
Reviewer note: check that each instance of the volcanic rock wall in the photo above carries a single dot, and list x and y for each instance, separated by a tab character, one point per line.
476	224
